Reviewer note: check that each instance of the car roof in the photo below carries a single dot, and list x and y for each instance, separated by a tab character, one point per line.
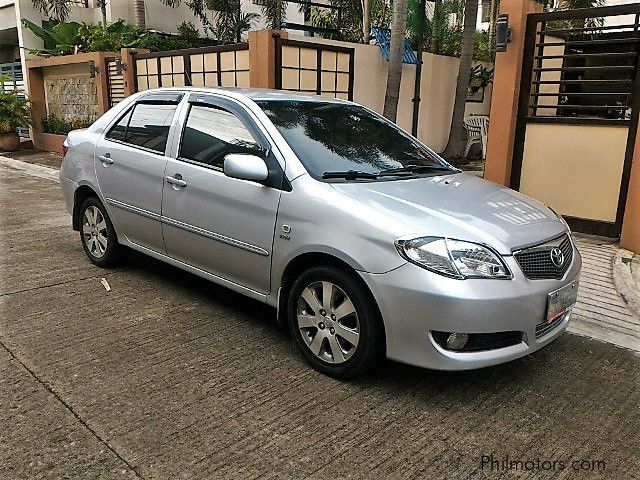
255	93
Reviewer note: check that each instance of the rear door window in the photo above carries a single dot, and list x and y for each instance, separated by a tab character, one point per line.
146	126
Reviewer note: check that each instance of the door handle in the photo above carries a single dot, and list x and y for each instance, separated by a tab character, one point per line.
176	181
106	158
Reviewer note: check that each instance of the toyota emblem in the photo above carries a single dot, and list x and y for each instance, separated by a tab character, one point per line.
557	257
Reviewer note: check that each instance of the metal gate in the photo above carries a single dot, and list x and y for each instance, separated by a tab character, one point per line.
578	114
314	68
115	80
220	66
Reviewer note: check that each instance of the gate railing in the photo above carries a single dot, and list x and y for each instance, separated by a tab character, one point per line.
115	80
579	69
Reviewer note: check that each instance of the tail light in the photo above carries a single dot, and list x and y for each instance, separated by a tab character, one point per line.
65	147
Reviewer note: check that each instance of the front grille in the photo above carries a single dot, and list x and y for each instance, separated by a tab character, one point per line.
480	342
537	264
543	328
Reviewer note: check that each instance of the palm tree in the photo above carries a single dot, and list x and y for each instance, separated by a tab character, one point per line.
434	42
103	11
197	7
54	9
60	9
592	22
572	4
231	22
396	54
275	12
493	15
457	137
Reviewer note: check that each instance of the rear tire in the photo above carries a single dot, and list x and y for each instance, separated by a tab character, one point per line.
341	335
98	237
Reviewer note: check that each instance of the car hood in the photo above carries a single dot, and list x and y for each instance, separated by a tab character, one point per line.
459	206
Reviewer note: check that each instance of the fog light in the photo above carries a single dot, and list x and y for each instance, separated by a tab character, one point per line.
457	341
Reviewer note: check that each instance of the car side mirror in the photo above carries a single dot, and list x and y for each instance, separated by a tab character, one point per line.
245	167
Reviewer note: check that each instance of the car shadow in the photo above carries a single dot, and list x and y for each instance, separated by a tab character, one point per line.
388	375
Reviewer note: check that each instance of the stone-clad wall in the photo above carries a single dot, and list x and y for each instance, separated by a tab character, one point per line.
73	98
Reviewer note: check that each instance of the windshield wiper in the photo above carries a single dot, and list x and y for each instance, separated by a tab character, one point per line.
415	169
349	175
400	171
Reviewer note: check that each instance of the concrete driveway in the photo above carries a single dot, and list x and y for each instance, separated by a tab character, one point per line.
169	376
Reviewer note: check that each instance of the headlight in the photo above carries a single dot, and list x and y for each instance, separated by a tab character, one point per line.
453	258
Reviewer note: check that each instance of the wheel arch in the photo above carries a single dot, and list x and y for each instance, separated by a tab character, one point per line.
304	261
80	195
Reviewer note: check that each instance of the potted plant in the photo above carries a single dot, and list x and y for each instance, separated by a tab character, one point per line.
14	113
480	77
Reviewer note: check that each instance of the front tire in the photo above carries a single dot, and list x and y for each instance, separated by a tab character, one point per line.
99	239
335	322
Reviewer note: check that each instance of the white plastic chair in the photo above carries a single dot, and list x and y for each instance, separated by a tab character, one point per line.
477	127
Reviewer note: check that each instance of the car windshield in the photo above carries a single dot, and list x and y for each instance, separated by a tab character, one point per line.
340	140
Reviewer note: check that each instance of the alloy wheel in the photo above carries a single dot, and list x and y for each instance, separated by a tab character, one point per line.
328	322
94	231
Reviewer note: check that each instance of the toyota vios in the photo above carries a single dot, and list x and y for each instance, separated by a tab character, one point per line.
365	240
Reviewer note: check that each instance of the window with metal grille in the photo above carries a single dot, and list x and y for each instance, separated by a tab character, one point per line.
584	69
314	68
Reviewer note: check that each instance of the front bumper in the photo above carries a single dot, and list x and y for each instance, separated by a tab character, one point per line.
414	302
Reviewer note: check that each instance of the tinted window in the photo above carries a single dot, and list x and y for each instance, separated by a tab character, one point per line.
147	126
211	133
329	136
119	131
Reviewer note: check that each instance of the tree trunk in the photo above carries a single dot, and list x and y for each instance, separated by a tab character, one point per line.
103	10
138	14
396	53
495	6
238	14
366	21
435	40
457	136
277	22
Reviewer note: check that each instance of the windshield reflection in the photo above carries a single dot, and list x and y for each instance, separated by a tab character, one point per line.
333	137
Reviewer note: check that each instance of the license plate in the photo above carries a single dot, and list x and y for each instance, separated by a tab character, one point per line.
561	300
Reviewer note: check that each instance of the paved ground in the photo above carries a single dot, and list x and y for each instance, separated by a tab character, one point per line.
169	376
38	157
601	311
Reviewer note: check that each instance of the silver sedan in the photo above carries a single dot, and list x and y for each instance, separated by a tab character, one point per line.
365	240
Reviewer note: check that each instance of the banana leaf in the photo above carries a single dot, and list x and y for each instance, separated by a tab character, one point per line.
63	35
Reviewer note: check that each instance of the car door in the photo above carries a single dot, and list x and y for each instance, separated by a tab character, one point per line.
130	162
219	224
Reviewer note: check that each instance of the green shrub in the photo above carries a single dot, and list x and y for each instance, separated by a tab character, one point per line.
14	110
482	47
71	37
98	38
60	126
